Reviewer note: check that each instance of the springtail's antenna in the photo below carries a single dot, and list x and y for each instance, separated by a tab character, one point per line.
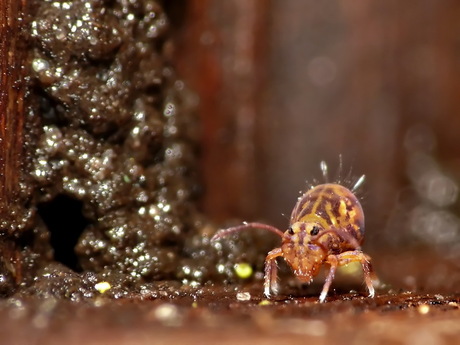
284	216
358	183
339	178
323	167
224	232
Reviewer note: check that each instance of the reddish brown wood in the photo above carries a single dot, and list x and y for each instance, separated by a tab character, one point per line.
11	103
223	59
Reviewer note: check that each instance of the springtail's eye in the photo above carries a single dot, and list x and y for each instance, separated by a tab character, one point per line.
314	231
290	231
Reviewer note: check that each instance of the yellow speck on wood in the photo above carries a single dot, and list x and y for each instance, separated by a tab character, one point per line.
243	270
102	286
265	302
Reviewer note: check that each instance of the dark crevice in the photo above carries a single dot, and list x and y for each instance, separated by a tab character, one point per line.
65	221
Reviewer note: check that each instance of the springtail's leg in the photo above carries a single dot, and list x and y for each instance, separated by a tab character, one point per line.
271	272
333	261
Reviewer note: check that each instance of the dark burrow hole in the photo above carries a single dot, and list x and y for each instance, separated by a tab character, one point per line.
65	221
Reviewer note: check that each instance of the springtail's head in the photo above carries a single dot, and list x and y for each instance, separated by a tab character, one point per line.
301	251
302	233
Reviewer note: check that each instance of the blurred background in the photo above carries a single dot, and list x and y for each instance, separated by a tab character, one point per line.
286	84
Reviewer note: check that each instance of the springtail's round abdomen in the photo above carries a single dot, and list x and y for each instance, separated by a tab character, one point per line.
332	206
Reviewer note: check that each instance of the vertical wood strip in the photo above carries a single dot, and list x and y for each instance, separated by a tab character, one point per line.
222	55
12	92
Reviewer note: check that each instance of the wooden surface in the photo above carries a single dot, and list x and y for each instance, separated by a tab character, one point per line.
374	82
222	54
12	88
408	318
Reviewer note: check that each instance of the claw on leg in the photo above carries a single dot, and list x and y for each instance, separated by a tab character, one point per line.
270	278
271	272
369	275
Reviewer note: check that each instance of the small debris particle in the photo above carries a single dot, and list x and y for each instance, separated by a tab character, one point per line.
243	270
99	302
168	314
102	286
423	309
40	321
243	296
194	304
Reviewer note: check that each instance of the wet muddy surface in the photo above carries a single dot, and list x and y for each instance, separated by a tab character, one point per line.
233	315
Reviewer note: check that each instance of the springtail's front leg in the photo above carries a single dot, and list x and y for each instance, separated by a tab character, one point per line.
344	259
333	261
271	272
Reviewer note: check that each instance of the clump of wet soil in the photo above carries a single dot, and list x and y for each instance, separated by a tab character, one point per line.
111	159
